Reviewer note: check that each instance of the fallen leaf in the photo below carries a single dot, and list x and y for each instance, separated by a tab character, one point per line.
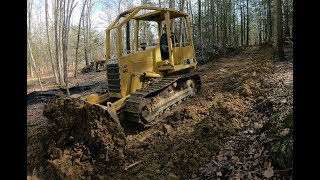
284	132
219	173
262	136
220	157
234	159
257	125
268	170
238	176
268	173
267	165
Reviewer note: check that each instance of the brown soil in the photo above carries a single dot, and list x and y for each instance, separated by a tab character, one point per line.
204	137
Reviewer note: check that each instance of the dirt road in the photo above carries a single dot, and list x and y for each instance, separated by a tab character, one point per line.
225	131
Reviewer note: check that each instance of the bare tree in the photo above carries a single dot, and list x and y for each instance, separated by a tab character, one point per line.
181	8
224	26
278	52
67	11
260	23
32	60
172	4
57	35
200	26
247	43
87	44
33	63
49	44
78	37
241	22
29	19
286	13
270	33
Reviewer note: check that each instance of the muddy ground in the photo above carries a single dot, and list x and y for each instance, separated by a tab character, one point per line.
231	129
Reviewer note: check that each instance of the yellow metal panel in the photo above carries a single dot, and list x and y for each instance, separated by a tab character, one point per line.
162	68
162	63
187	52
135	83
152	74
138	63
183	66
120	103
190	36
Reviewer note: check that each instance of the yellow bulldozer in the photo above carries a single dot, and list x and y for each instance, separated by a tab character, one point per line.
149	64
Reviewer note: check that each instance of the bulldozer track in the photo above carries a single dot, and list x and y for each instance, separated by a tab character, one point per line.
137	101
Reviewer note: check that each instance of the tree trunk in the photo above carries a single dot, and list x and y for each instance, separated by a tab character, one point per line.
241	26
65	41
78	38
247	23
260	23
278	52
32	61
287	28
60	27
200	26
192	20
229	23
265	25
172	4
218	22
181	19
84	40
34	65
49	44
224	26
87	49
30	68
235	33
270	21
57	39
29	31
212	14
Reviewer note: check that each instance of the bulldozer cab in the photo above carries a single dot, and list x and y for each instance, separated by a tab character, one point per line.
141	29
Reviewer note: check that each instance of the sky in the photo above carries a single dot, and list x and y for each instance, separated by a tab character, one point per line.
103	12
100	14
102	17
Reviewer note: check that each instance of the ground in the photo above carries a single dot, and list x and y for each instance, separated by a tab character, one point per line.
235	127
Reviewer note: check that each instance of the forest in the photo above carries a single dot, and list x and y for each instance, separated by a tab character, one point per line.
63	36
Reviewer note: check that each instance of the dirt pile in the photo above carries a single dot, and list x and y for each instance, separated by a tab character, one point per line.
82	141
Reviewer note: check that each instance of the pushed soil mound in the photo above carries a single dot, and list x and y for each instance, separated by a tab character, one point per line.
82	140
